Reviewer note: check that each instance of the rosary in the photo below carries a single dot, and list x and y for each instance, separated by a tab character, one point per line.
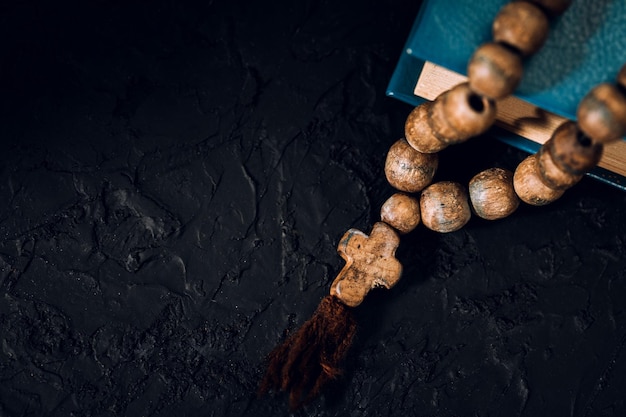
312	356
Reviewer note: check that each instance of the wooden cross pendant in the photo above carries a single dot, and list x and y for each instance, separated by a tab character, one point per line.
370	263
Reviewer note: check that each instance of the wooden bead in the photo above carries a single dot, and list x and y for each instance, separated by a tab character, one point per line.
602	113
418	132
551	173
459	113
554	7
370	263
492	194
444	207
409	170
572	151
402	212
494	70
521	25
529	186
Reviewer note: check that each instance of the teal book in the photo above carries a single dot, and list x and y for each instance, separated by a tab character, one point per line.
586	46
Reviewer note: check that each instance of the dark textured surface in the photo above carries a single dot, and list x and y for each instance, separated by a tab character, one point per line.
174	182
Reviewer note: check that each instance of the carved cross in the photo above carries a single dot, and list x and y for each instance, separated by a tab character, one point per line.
370	263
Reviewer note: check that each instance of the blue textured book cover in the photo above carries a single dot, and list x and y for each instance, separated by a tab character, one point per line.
586	46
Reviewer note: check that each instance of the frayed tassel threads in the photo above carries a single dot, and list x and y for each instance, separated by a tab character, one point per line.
310	358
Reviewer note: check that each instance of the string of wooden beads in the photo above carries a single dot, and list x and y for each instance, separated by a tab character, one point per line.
311	356
467	110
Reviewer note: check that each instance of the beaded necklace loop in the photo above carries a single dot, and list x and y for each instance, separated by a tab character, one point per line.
312	356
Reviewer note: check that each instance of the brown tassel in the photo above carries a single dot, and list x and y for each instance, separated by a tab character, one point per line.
310	358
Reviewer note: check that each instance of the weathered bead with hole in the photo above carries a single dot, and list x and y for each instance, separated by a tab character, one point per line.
521	25
572	151
444	207
602	113
494	70
402	212
554	7
552	174
459	113
409	170
419	133
529	185
492	194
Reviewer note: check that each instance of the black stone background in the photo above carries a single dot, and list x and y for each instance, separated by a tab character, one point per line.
175	178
